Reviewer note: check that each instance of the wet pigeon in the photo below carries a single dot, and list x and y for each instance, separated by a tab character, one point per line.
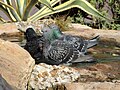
59	49
34	44
81	44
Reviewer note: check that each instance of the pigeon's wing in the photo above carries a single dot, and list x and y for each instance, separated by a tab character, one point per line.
35	50
41	41
59	51
77	42
62	52
31	46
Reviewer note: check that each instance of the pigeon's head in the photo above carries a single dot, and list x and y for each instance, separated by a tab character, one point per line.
30	33
56	30
48	34
54	27
51	32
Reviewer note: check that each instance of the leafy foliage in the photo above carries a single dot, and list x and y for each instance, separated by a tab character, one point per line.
109	8
23	8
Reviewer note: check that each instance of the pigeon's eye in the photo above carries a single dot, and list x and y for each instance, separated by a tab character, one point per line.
53	27
45	31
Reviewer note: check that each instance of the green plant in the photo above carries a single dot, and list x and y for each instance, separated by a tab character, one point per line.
24	7
109	8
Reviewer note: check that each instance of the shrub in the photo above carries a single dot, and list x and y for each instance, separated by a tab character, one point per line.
23	8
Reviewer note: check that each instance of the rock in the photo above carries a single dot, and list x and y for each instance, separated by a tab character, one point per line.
109	36
79	26
46	76
8	28
15	64
4	85
84	31
93	86
91	75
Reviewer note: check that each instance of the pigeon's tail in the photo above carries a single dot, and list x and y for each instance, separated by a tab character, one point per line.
93	42
84	59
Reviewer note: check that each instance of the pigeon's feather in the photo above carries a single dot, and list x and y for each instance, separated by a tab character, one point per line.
92	42
84	59
61	52
81	44
77	42
60	48
34	44
56	48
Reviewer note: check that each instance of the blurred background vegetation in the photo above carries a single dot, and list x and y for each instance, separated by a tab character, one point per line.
33	10
109	8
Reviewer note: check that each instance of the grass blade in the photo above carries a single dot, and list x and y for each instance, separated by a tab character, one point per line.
28	9
2	20
20	6
46	3
13	11
6	12
8	2
82	4
42	10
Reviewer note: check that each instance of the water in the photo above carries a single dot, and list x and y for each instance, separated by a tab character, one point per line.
15	39
107	57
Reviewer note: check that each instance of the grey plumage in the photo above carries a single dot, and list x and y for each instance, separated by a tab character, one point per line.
60	48
81	44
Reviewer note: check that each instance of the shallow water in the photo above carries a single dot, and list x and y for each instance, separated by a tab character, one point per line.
103	54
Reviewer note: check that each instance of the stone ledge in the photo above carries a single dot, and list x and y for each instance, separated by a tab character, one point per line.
15	64
93	86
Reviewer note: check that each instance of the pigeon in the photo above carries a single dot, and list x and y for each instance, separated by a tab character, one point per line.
34	44
81	44
58	49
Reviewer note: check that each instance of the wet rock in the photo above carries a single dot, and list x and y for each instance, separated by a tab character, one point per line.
15	64
93	86
46	76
